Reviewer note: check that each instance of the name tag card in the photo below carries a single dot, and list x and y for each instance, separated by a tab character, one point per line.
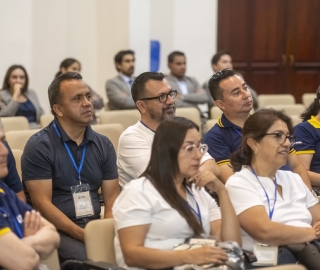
82	200
266	255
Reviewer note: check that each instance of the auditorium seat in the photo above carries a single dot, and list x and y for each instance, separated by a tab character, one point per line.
45	120
308	98
124	117
14	123
275	99
289	109
17	139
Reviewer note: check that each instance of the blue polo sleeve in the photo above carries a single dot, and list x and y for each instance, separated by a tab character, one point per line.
110	170
12	180
305	138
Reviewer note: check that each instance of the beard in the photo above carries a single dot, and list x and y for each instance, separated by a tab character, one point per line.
167	112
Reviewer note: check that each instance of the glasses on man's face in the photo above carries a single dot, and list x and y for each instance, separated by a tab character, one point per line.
281	137
203	148
220	73
163	97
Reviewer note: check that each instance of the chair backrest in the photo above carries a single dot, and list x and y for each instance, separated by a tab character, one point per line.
273	99
45	120
99	238
17	153
17	139
210	123
285	267
14	123
126	118
215	112
295	119
52	262
308	98
112	131
289	109
190	113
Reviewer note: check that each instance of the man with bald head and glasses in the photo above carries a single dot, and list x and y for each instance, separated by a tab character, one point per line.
232	95
155	101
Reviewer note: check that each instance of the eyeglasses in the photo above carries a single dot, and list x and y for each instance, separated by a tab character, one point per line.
203	148
281	137
220	73
163	97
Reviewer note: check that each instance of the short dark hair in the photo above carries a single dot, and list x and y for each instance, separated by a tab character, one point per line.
119	56
172	55
256	127
54	87
215	59
164	166
214	82
6	84
313	108
66	63
139	85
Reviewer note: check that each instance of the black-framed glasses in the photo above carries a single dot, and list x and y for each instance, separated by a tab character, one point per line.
281	137
163	97
220	73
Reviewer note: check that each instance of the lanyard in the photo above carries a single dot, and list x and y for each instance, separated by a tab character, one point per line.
78	169
197	213
275	193
15	222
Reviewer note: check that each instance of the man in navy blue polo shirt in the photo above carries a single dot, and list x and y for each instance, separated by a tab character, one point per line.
65	164
231	94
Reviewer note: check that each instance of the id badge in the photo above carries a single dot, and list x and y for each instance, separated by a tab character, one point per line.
82	200
266	255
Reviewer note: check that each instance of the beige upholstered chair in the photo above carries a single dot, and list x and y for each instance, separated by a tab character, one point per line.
112	131
14	123
215	112
45	120
274	99
285	267
52	262
295	119
190	113
210	123
99	237
308	98
17	153
289	109
124	117
17	139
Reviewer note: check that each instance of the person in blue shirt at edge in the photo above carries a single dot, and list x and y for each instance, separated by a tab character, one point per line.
25	236
231	94
307	144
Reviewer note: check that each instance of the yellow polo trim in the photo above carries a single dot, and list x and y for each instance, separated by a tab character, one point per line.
314	122
292	151
223	162
1	190
219	122
306	152
4	231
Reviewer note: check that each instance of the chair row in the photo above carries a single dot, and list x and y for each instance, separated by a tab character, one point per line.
265	100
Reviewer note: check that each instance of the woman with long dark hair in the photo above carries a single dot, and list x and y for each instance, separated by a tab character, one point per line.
16	99
168	204
307	136
274	207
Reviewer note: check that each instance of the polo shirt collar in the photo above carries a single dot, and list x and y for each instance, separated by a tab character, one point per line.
223	122
88	134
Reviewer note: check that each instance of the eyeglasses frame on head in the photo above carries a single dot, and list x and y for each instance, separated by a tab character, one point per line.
290	137
218	74
172	93
201	146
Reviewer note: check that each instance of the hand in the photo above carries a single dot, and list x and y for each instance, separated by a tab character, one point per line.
32	223
208	179
316	226
207	254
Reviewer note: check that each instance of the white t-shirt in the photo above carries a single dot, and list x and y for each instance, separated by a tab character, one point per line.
140	203
134	151
245	192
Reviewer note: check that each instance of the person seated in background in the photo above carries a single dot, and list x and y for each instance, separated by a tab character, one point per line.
168	204
73	65
25	236
65	164
190	93
232	95
16	99
119	88
274	207
222	60
155	101
307	144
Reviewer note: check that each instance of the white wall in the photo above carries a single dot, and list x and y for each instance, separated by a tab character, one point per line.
40	34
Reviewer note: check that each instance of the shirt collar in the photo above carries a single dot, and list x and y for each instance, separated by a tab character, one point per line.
126	78
223	122
88	134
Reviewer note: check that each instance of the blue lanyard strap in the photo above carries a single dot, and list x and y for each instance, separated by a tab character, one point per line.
15	222
198	212
275	193
78	169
